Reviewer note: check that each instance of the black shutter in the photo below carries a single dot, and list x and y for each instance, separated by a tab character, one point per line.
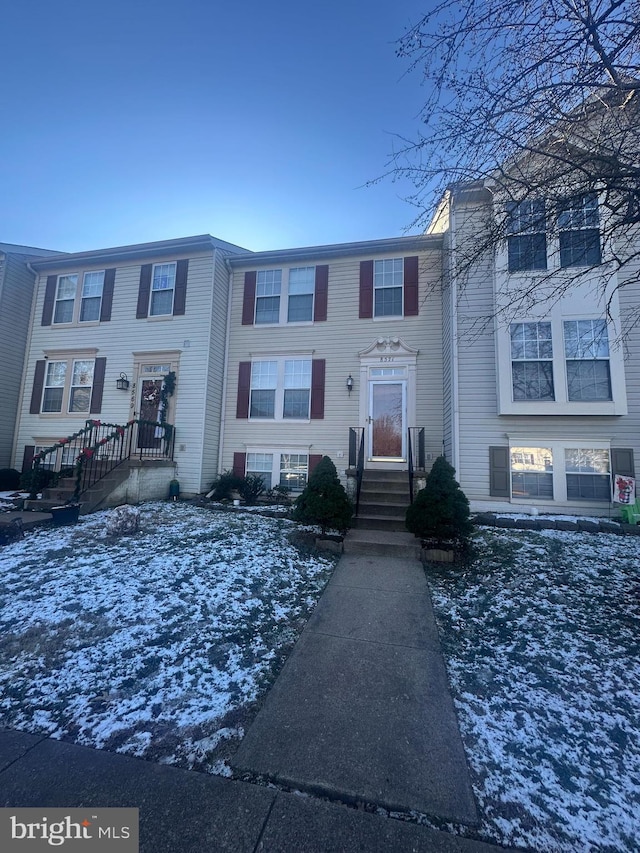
180	295
38	384
244	388
144	291
98	386
27	458
499	472
249	298
107	295
49	300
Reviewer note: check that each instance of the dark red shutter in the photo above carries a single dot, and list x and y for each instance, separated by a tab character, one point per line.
244	388
249	298
314	459
144	291
180	295
36	391
321	295
317	388
411	287
239	464
98	386
107	295
366	289
49	300
27	458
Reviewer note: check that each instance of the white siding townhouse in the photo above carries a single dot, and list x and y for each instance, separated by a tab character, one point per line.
134	312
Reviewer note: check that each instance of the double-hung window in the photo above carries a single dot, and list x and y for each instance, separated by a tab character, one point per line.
268	287
532	361
302	282
56	396
527	239
588	474
586	346
65	298
289	470
163	286
388	278
280	389
92	285
532	472
579	231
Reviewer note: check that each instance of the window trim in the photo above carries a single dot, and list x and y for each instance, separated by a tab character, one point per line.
568	207
164	314
280	388
381	287
67	387
523	359
78	299
283	296
276	464
521	225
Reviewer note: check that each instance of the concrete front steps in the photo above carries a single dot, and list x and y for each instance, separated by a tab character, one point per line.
89	501
382	543
384	498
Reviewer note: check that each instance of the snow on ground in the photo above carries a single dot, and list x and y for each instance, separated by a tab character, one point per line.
542	641
156	644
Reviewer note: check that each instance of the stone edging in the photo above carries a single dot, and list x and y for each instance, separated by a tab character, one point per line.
582	525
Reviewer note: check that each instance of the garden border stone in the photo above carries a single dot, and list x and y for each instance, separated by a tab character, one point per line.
581	525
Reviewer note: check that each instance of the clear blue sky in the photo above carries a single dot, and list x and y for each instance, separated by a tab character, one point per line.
258	122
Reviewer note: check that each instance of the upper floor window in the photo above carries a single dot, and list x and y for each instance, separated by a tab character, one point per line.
387	287
91	296
579	231
586	346
532	361
301	292
162	289
268	288
280	389
527	240
73	385
65	298
295	295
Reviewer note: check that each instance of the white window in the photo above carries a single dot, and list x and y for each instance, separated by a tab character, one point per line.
588	474
532	473
586	345
63	457
268	287
388	279
280	389
527	240
579	231
261	465
68	386
285	296
91	302
54	382
65	298
289	470
162	289
532	361
302	283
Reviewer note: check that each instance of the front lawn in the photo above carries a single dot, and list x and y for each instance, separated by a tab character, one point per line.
542	642
158	644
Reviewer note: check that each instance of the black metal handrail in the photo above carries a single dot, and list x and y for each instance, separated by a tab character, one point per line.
99	448
418	441
356	458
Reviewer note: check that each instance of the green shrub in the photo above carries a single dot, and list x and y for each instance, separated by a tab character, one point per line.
36	479
324	500
9	479
250	488
440	511
226	483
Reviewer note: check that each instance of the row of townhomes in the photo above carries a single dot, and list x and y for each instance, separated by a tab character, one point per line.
380	352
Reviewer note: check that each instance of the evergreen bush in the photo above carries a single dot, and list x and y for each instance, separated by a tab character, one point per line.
9	480
36	479
250	488
440	511
226	483
324	500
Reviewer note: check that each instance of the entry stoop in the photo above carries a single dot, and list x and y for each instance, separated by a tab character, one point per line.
388	543
384	498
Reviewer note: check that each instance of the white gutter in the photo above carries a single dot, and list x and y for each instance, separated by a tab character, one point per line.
223	408
27	352
455	406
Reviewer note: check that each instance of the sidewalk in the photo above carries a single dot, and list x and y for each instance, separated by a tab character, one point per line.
361	713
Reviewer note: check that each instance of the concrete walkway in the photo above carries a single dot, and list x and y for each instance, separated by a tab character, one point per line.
361	713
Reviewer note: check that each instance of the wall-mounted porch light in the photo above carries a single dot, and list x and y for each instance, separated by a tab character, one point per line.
122	384
349	384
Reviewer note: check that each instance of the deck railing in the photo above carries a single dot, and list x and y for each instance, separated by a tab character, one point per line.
415	454
356	458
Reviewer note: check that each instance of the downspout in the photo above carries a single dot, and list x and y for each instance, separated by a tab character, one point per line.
223	409
455	407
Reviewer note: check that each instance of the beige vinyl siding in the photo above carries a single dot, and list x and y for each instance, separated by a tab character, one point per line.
480	425
118	340
16	293
337	340
215	382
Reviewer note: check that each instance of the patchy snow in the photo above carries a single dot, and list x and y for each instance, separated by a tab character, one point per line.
155	644
542	641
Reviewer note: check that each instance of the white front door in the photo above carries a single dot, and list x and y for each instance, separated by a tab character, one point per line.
387	420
